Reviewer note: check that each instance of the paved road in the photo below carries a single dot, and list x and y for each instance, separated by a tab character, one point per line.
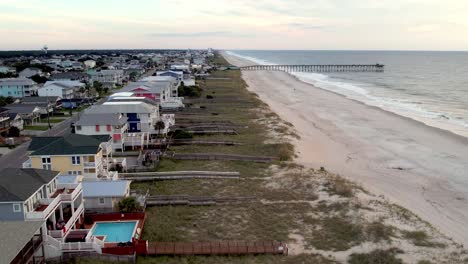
16	157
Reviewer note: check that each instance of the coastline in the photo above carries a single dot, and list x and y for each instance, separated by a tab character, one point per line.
412	164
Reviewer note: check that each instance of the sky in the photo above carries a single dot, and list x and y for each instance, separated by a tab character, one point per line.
235	24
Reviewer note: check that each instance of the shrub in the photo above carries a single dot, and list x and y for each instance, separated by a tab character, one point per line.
339	186
128	205
179	134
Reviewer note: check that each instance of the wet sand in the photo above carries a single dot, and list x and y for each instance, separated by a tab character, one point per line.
421	168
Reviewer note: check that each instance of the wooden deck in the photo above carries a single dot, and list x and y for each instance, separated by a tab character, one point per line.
217	156
162	200
217	248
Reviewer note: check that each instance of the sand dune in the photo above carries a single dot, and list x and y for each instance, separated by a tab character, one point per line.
422	168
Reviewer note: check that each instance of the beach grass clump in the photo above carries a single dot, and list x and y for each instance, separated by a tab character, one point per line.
377	231
420	239
336	234
337	185
377	256
285	151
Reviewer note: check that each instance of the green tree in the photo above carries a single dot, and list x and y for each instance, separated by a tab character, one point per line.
133	76
159	125
98	87
128	205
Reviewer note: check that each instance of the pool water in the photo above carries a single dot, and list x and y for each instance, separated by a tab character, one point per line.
115	231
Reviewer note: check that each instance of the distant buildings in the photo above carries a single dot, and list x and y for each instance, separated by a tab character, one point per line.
108	78
17	87
29	72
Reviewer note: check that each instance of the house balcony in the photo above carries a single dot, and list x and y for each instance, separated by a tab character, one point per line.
47	206
59	234
68	191
44	208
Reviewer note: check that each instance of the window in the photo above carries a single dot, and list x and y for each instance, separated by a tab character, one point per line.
46	164
109	128
74	172
16	208
78	128
97	128
76	160
102	200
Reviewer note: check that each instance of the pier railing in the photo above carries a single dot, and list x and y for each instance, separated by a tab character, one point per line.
317	68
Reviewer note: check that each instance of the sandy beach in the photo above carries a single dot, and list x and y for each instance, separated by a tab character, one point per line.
421	168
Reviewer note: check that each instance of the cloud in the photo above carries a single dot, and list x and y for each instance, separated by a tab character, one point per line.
304	26
199	34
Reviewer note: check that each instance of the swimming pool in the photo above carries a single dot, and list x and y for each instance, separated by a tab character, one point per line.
115	231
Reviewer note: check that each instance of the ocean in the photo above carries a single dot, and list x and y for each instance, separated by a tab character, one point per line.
428	86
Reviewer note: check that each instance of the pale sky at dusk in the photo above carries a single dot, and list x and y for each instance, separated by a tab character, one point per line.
235	24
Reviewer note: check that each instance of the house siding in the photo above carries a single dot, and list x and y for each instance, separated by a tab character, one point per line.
111	203
7	214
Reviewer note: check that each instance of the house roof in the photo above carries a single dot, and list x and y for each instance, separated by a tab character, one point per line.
68	75
68	179
117	188
67	145
122	107
154	87
134	99
16	81
65	83
91	119
22	108
16	234
19	184
39	99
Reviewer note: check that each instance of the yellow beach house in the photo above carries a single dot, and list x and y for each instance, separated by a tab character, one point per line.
72	155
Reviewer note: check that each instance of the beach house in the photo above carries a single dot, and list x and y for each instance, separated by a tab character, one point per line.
111	124
141	116
65	89
172	81
72	155
30	113
17	87
158	91
47	210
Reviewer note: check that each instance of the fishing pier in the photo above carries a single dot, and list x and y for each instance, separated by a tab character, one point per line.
317	68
